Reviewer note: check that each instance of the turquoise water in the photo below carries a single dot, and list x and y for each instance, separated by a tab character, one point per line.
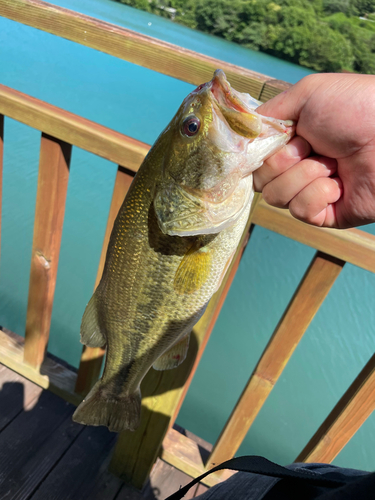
140	103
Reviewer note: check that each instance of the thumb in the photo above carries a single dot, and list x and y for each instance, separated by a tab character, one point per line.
289	104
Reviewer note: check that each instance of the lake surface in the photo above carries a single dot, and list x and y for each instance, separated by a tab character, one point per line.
139	103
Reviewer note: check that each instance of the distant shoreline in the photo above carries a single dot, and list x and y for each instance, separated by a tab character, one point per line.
323	36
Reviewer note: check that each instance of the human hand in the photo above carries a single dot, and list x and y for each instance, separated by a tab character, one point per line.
326	174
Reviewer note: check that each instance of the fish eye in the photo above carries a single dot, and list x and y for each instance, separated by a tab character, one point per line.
190	125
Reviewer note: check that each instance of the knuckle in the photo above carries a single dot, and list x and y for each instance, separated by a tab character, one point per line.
313	169
268	195
297	210
324	187
272	197
278	163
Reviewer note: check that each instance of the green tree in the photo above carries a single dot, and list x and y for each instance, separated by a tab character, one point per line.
296	30
362	7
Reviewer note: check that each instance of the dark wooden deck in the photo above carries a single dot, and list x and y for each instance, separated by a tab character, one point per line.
44	455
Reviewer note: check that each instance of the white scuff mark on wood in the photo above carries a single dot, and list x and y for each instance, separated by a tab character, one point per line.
43	260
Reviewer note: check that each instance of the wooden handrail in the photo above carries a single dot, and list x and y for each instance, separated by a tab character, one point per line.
72	129
136	48
132	458
351	245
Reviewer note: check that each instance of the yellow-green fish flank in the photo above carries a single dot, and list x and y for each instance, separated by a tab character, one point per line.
172	241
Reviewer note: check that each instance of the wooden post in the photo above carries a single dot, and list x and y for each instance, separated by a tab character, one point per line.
92	357
355	406
1	166
306	301
163	392
49	218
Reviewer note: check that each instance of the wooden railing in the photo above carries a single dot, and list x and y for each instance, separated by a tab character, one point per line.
164	391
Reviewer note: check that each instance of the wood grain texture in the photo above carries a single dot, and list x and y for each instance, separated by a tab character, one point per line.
32	444
355	406
186	455
305	303
163	393
165	480
127	492
271	88
47	455
52	375
73	476
143	50
72	129
92	357
49	217
16	394
352	245
1	167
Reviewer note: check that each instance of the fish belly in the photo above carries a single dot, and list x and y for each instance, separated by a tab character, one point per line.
136	310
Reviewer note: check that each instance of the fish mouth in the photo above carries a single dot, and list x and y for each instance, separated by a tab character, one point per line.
228	103
240	115
223	94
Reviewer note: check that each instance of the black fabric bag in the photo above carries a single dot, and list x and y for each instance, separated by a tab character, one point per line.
260	479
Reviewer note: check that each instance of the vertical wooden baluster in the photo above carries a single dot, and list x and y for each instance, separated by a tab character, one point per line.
49	217
92	357
1	167
305	303
355	406
163	392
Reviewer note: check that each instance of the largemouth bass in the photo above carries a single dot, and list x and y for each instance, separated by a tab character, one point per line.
172	242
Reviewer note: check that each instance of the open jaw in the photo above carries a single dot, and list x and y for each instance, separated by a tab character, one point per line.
237	114
239	111
244	139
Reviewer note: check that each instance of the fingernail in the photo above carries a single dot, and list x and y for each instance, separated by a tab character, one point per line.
339	183
298	148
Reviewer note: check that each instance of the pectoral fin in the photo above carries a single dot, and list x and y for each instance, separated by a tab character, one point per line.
193	270
174	356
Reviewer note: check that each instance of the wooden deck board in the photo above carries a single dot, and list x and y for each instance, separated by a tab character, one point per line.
165	480
16	393
44	455
80	464
32	443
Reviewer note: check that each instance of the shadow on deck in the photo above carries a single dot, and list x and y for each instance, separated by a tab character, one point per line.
45	455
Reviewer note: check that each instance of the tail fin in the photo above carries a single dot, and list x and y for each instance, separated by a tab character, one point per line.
117	412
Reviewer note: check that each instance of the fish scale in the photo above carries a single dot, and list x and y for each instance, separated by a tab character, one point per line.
172	241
